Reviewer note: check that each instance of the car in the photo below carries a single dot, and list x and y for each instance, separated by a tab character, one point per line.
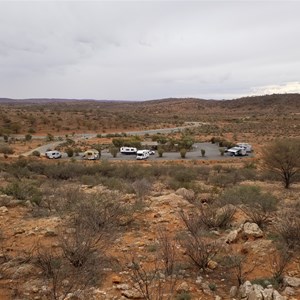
151	152
53	154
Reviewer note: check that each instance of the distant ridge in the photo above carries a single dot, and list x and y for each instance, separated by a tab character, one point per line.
284	102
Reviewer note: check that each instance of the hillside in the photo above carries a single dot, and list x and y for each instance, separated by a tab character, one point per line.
67	116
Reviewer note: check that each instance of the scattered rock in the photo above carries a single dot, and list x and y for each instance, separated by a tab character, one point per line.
232	236
182	287
212	264
205	288
289	291
291	281
122	286
132	294
186	194
19	231
277	296
256	293
233	291
252	230
3	210
268	293
116	279
245	289
50	232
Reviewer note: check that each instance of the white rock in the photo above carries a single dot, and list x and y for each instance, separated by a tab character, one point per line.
233	291
232	236
245	289
252	230
3	210
291	281
256	293
277	296
268	293
289	291
182	287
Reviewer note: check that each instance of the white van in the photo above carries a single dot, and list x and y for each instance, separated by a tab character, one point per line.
142	154
53	154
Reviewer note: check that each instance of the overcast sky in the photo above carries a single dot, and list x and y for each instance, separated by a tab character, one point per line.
129	50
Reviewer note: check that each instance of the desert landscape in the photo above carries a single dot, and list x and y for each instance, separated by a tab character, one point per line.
180	225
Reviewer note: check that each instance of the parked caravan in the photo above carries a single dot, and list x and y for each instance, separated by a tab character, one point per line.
53	154
91	154
128	150
142	154
247	146
237	151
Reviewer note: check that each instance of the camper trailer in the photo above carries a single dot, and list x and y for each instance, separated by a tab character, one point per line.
247	146
142	154
128	150
237	151
91	154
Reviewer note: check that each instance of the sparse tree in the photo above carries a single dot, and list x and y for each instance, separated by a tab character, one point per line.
183	152
160	151
283	158
114	151
202	152
141	187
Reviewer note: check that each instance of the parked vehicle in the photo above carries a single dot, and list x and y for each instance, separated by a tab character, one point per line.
128	150
142	154
237	151
151	152
91	154
247	146
53	154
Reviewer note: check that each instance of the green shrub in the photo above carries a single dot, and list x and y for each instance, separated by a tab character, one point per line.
202	152
70	152
259	207
183	152
160	151
6	149
114	151
23	190
36	153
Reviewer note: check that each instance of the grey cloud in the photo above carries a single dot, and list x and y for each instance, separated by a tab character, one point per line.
145	50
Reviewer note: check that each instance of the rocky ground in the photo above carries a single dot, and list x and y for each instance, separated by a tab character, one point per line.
21	231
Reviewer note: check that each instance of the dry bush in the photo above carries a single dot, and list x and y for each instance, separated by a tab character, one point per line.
198	247
142	187
63	277
238	267
150	282
259	207
279	262
214	217
288	228
167	251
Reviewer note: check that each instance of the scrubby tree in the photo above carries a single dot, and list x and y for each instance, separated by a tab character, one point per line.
114	151
183	152
283	158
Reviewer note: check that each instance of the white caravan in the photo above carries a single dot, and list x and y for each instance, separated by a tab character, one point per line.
237	151
91	154
247	146
128	150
